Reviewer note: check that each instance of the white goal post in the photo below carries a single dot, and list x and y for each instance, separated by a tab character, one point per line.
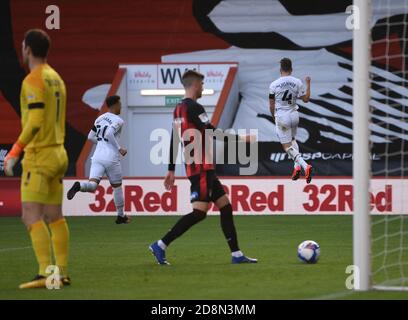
361	161
380	244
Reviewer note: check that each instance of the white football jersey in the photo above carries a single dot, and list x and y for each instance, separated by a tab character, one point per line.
105	149
286	90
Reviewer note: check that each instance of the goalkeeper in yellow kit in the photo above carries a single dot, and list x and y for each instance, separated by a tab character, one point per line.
43	103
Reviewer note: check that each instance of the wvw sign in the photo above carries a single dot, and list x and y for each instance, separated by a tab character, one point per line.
169	75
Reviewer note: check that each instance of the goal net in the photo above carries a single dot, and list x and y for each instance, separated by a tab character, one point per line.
381	238
389	142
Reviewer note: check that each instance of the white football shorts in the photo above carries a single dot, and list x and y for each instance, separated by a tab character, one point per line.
286	125
112	169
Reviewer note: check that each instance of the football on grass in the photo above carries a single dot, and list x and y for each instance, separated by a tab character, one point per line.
309	251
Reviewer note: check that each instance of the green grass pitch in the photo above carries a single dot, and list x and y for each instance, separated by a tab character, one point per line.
109	261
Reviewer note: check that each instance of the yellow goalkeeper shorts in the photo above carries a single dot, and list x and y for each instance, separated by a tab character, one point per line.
43	170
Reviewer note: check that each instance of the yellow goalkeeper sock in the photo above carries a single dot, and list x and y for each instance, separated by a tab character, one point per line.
40	239
60	243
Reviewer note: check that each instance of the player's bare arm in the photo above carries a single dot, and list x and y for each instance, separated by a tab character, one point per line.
247	138
306	97
169	180
199	117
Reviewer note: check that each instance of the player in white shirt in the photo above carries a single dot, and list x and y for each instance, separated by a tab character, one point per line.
283	94
106	158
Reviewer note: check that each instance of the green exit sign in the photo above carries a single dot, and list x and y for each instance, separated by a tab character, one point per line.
172	101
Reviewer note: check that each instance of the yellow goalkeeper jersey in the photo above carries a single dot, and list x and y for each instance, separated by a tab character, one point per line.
43	108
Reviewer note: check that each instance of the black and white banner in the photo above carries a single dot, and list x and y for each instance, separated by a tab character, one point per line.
314	35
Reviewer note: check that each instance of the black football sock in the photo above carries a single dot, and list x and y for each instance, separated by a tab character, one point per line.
227	225
183	224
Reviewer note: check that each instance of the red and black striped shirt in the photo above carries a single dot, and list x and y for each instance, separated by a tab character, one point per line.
190	123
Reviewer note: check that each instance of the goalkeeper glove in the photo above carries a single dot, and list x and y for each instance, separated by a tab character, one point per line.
12	157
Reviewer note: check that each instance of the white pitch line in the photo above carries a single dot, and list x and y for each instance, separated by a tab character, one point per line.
334	295
14	249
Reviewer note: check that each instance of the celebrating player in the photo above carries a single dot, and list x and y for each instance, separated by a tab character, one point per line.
283	94
43	102
106	158
190	118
